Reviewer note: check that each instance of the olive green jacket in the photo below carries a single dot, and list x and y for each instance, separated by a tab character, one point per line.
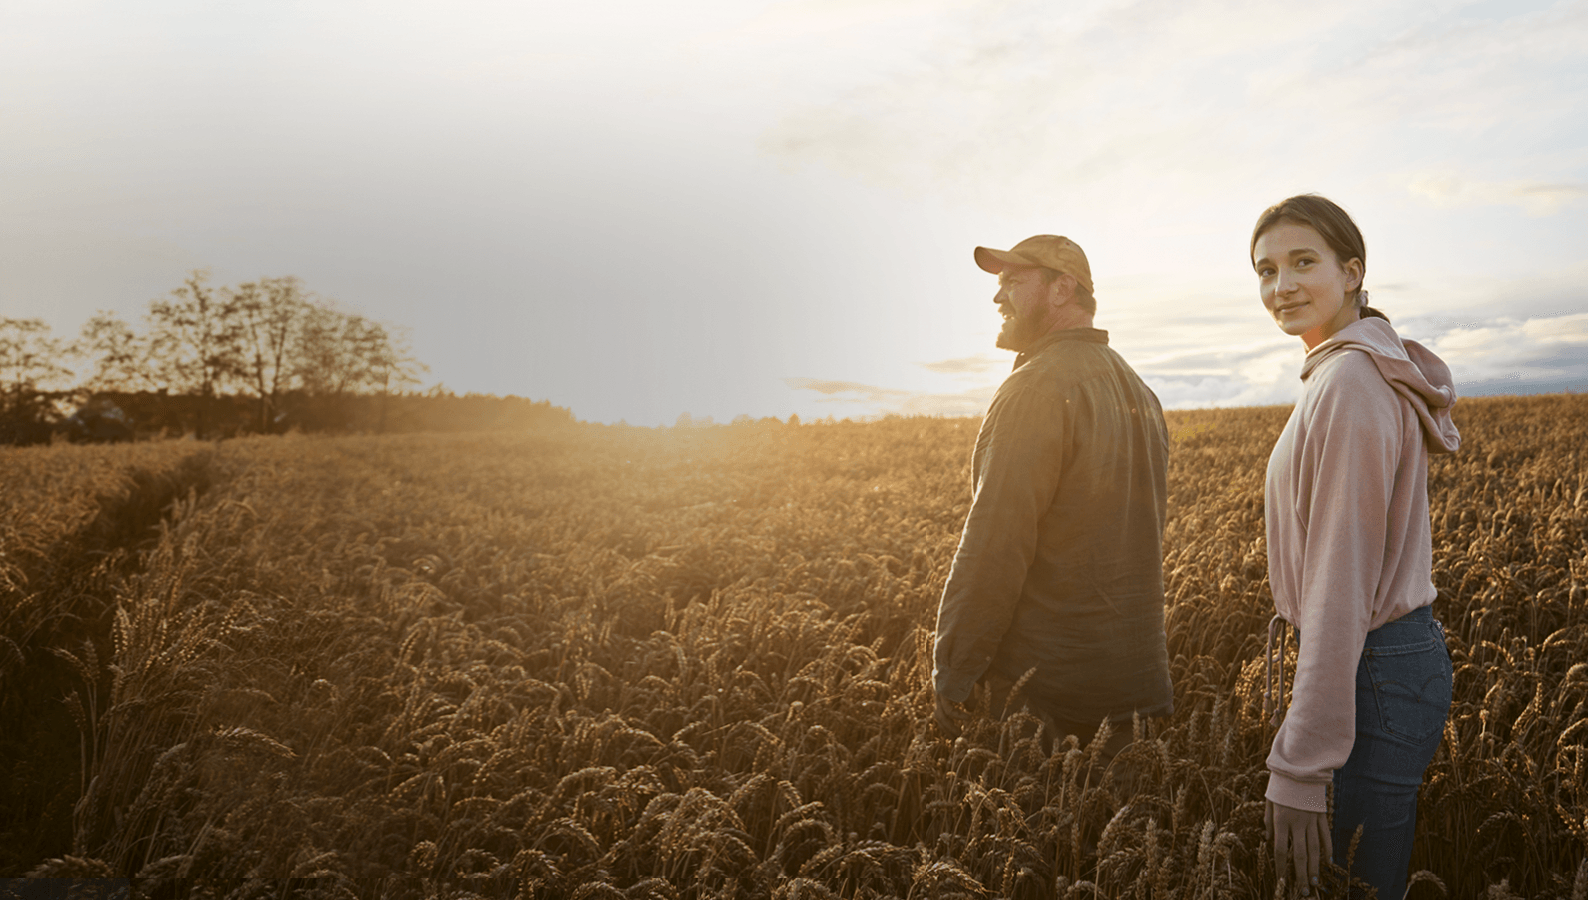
1060	566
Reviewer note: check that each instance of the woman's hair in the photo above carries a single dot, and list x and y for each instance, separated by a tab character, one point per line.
1328	219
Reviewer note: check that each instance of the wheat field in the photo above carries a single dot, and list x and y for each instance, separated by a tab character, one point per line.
610	662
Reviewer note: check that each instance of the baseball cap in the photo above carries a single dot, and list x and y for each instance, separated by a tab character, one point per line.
1047	250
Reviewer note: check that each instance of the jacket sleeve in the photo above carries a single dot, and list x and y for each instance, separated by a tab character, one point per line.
1019	455
1350	454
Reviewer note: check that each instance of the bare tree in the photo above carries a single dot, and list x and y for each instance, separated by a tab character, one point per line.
116	357
195	341
390	360
391	365
325	359
31	361
270	314
344	353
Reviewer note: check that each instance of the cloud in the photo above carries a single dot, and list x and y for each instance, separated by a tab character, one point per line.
1487	354
967	365
845	391
1053	102
973	402
1240	376
1506	355
1204	360
1224	390
1448	191
1107	106
873	401
1506	387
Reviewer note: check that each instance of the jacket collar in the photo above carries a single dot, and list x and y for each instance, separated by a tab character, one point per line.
1089	335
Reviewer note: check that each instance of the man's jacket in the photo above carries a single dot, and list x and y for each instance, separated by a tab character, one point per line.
1060	566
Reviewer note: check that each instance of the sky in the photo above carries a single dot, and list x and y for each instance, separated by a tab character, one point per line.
637	210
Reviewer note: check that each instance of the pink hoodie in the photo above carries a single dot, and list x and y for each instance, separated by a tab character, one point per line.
1349	538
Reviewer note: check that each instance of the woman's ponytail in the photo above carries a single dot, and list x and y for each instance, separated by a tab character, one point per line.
1367	312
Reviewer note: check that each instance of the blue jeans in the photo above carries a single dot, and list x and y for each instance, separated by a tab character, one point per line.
1402	701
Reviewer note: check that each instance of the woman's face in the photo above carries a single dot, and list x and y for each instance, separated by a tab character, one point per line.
1305	287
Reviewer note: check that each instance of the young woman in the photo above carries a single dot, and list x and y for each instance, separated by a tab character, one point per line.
1350	556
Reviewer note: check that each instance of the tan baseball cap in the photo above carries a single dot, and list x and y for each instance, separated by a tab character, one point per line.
1047	250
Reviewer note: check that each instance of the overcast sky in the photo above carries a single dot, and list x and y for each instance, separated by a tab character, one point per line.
638	209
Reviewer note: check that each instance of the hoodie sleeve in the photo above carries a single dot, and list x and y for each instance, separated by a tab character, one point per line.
1019	454
1349	457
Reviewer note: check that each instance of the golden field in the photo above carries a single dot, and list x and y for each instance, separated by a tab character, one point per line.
606	662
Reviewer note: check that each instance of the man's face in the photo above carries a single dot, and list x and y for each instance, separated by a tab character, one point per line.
1024	300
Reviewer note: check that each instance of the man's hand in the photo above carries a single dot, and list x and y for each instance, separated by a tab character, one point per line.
949	715
1301	838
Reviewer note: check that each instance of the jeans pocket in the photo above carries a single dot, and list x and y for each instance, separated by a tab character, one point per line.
1411	686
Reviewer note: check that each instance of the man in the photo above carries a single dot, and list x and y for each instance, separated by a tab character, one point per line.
1059	570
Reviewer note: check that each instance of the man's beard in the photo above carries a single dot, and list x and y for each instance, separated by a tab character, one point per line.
1019	332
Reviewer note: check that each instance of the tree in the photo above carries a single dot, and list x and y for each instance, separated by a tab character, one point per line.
268	338
323	360
116	356
344	353
195	341
270	313
392	364
30	357
30	362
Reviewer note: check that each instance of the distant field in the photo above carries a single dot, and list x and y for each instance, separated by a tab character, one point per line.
608	662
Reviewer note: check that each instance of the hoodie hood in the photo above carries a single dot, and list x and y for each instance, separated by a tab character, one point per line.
1410	368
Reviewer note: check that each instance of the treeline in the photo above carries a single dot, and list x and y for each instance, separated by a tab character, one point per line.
266	356
392	412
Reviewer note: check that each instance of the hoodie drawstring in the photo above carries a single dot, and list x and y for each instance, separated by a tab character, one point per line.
1271	699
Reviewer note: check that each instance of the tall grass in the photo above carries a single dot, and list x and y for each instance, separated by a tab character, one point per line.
72	522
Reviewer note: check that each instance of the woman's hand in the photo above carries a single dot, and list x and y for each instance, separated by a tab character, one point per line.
1300	837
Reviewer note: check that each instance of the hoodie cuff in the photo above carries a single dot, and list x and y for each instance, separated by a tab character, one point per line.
1303	795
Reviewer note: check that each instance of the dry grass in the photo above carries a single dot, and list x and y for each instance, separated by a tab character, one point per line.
607	662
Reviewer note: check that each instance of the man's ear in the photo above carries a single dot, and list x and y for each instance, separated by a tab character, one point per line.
1062	290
